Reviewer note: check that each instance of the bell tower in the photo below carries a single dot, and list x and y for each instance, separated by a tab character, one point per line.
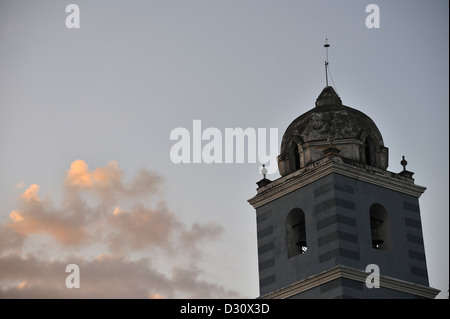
336	210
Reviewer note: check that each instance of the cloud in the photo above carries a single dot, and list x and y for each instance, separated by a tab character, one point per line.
103	277
30	193
103	213
10	240
79	175
199	233
107	276
187	280
19	185
117	210
88	195
37	217
107	185
107	181
141	228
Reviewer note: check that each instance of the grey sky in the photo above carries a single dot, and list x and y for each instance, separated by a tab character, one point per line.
114	89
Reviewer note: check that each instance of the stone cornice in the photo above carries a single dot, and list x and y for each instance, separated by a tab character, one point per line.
334	164
353	274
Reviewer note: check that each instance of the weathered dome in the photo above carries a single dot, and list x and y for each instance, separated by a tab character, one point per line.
351	134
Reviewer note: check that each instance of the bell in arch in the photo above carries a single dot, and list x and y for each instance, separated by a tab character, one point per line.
376	239
301	238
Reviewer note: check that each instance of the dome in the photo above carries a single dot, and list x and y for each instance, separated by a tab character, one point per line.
331	126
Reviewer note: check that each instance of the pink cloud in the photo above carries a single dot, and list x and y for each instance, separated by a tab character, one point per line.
100	209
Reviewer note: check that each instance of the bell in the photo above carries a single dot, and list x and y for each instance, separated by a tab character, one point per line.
301	241
376	240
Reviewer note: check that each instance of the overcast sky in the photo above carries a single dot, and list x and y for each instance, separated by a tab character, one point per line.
86	116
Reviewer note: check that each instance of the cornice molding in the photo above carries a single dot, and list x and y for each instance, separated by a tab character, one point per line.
353	274
328	165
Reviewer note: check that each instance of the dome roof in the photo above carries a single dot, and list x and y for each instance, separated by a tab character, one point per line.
330	123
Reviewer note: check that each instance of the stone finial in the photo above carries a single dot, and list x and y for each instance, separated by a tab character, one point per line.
264	181
264	171
405	172
403	163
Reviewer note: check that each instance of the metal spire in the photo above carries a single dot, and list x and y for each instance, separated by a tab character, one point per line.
326	62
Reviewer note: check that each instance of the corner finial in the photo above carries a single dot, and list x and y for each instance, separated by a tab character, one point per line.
264	171
406	173
403	163
264	181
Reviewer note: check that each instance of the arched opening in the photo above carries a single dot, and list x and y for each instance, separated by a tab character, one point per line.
370	151
380	228
295	157
296	233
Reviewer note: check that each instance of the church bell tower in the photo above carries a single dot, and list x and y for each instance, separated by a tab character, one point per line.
337	211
